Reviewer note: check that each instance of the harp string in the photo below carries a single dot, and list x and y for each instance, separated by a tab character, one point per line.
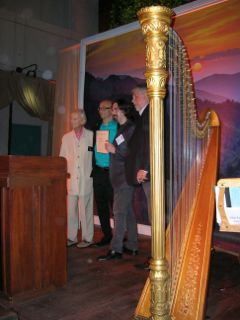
186	141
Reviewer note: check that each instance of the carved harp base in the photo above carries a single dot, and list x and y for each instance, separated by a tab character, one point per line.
190	292
151	318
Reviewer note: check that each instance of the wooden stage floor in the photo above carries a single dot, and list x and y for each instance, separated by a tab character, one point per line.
109	290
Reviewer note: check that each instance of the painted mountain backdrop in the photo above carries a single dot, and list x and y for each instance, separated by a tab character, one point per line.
97	89
218	92
221	86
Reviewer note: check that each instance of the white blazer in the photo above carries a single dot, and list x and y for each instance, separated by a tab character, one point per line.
78	154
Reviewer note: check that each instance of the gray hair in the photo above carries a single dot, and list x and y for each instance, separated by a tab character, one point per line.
81	113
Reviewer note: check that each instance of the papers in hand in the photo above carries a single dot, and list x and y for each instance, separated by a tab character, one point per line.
101	137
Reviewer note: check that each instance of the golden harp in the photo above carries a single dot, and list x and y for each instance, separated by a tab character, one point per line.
182	190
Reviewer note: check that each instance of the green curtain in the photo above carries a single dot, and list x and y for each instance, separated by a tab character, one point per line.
35	95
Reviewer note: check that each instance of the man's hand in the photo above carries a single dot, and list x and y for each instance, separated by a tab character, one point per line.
110	147
141	176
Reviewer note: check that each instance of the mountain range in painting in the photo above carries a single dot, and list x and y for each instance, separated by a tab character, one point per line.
221	86
215	88
218	92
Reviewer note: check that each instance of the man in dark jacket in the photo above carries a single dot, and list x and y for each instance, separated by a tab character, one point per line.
124	216
138	157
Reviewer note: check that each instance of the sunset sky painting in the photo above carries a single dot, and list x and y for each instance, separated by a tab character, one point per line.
123	54
212	38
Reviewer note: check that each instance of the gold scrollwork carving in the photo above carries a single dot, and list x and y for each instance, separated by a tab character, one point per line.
155	26
189	287
160	284
156	9
156	54
156	82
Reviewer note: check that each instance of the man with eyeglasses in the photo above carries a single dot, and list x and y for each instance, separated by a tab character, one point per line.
103	191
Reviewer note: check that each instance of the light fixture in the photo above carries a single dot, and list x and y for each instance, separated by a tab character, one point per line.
32	72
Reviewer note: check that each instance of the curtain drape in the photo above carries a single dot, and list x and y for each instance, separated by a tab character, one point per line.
35	95
66	98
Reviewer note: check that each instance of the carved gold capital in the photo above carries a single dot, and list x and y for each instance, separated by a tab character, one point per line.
155	22
156	82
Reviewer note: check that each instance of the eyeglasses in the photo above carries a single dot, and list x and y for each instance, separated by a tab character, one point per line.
104	108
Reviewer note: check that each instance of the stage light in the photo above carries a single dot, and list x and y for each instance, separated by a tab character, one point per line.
32	72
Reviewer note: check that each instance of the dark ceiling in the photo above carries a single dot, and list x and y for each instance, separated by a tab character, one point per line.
104	15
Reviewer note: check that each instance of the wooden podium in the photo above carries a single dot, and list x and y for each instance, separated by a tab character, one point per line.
33	224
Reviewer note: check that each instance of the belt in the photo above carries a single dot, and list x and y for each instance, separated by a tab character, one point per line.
102	168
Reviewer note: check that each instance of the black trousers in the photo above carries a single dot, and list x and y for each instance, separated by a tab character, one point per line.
103	194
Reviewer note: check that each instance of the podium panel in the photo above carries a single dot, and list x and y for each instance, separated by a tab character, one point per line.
33	218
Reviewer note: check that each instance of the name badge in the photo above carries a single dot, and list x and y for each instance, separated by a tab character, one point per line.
120	139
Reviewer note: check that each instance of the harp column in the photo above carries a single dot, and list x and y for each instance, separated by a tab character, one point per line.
155	22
